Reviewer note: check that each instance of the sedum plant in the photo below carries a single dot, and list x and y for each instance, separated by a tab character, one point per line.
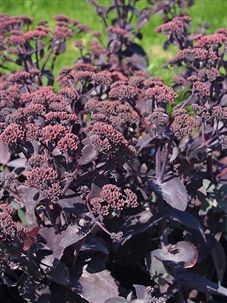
113	186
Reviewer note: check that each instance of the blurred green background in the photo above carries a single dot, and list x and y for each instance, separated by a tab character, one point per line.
212	11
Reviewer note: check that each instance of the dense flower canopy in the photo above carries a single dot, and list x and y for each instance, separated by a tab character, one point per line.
112	183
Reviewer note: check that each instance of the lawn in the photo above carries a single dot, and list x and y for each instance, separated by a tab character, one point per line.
212	11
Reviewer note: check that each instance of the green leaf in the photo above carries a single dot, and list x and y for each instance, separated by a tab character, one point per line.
22	216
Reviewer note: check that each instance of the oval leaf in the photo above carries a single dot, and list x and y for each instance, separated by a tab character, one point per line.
183	254
173	192
4	154
98	287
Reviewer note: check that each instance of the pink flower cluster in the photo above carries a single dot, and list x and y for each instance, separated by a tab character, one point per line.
112	200
198	53
183	124
68	143
175	26
161	94
12	134
46	180
53	132
106	139
60	117
121	32
9	230
216	39
124	92
118	114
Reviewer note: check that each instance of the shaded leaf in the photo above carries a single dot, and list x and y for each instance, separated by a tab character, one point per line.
59	242
221	196
138	223
59	274
182	254
185	219
219	259
116	300
155	266
194	281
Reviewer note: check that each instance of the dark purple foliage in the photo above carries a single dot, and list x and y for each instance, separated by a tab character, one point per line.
113	187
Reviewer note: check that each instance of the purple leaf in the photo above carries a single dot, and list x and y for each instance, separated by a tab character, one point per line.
20	162
59	242
183	254
116	300
4	153
173	192
219	259
141	291
204	285
59	274
88	154
185	219
98	287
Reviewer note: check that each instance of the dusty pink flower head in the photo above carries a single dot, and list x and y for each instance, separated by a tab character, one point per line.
198	53
118	114
161	94
106	139
112	200
63	32
118	31
52	192
32	132
62	18
102	78
201	89
53	132
68	143
38	176
183	124
35	34
60	117
79	44
46	180
37	161
82	76
96	48
9	229
124	92
12	134
216	39
153	81
69	93
175	26
16	37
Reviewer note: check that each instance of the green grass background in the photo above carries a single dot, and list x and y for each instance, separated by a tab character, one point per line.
212	11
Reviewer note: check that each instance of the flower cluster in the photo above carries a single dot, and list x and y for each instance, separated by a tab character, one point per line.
12	133
124	92
46	180
9	229
113	200
91	164
183	124
109	142
161	94
117	114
